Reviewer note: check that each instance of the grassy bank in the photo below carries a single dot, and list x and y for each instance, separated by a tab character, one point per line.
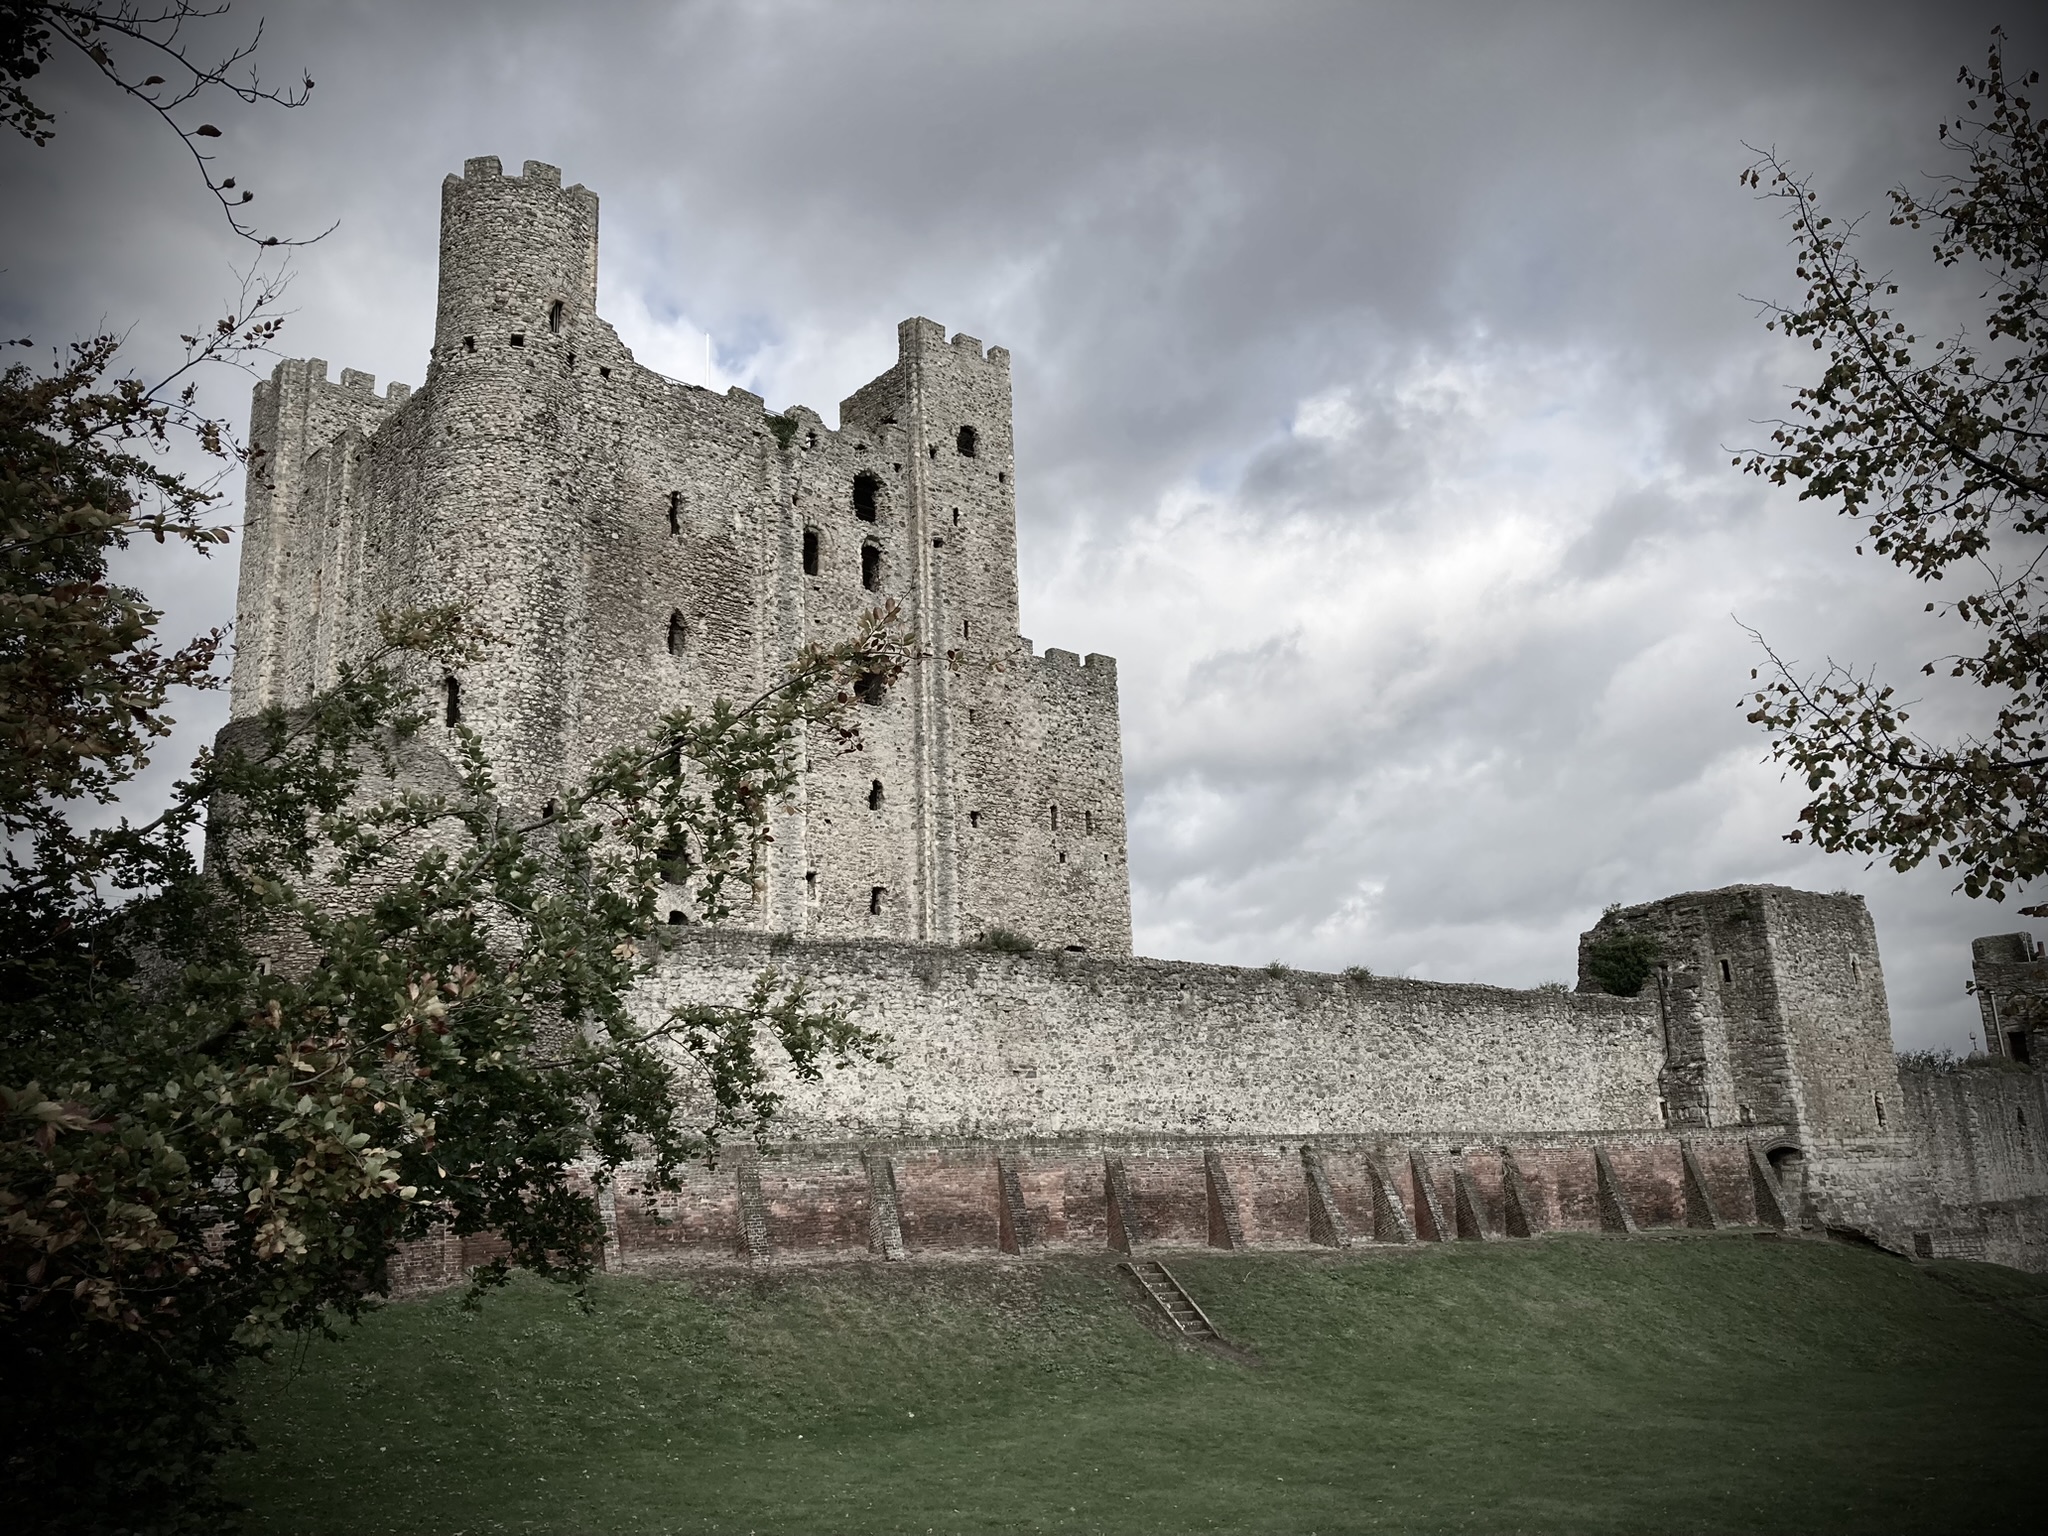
1575	1384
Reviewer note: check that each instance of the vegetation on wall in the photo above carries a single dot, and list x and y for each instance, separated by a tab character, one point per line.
1620	962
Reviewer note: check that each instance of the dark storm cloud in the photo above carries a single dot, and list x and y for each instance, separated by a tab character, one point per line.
1375	368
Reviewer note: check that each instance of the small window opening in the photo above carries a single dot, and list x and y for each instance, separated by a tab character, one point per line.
1855	970
555	317
870	567
675	511
933	450
1727	975
2017	1046
1742	1113
1055	817
875	795
672	859
869	690
677	917
966	628
1923	1245
469	343
810	551
969	442
875	895
1878	1100
1002	477
678	632
956	517
973	715
1087	821
452	698
867	492
938	543
1063	855
549	811
603	372
811	439
810	885
1664	1111
974	818
518	338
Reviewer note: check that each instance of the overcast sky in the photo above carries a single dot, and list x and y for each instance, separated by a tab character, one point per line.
1377	373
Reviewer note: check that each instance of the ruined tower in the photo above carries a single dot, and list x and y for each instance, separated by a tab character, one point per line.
634	543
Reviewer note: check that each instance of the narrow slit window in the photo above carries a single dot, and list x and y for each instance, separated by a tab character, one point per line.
1727	974
452	700
875	895
1055	817
678	633
871	567
1087	821
969	443
469	343
966	629
1878	1100
811	884
867	495
675	512
810	551
956	517
875	795
974	818
555	317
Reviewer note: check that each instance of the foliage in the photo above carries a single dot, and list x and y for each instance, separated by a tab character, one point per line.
161	35
784	428
1620	962
1940	454
226	1096
1007	941
1357	974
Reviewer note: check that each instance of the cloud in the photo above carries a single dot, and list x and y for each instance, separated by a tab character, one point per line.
1377	373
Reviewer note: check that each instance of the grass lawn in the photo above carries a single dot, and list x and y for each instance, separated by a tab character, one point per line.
1574	1384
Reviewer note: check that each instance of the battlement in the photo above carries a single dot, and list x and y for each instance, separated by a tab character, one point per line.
918	336
535	173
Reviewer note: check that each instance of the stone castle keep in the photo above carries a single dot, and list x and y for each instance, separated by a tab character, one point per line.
635	543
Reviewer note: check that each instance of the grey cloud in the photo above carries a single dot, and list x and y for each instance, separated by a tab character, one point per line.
1425	686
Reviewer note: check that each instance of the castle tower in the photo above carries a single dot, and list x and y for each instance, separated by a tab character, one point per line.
631	544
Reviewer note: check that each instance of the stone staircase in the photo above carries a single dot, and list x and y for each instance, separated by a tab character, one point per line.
1158	1283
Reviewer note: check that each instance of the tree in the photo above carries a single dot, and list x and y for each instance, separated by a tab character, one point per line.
1940	453
162	35
227	1096
229	1091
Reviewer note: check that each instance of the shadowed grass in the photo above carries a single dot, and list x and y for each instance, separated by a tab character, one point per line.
1575	1384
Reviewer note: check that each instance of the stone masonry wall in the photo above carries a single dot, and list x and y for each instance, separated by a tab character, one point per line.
995	1046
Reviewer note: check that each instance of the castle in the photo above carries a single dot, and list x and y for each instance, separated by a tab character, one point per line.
634	543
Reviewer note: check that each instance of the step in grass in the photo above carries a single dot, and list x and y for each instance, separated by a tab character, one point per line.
1571	1385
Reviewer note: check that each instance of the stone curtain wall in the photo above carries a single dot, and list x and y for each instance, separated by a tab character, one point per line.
999	1046
636	544
852	1200
1981	1170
